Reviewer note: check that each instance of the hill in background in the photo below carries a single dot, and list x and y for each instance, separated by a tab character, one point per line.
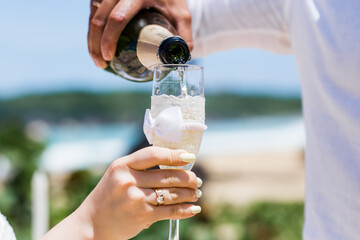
57	108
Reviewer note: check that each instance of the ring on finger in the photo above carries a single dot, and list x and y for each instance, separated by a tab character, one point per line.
96	4
159	196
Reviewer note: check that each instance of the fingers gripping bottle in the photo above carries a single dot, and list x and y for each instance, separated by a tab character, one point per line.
147	40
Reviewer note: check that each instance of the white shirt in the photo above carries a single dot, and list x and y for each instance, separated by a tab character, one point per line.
6	232
324	37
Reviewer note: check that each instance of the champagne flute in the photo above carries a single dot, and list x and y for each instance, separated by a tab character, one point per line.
179	87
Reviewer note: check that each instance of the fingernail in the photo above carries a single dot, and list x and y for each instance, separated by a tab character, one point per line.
107	56
198	193
100	64
195	209
199	182
97	62
187	157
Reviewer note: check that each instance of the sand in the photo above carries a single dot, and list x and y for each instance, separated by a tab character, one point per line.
246	178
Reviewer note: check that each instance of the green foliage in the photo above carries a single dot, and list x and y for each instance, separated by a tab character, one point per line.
231	106
274	221
84	107
77	187
260	221
23	152
127	107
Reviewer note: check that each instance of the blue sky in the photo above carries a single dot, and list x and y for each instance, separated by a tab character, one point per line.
43	48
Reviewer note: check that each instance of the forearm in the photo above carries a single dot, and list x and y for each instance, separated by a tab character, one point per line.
223	24
75	226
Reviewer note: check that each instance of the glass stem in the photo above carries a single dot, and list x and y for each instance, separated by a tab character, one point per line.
174	230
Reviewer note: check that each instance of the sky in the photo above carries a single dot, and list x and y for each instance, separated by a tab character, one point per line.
43	48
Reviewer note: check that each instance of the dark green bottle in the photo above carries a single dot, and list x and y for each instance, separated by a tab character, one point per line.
147	40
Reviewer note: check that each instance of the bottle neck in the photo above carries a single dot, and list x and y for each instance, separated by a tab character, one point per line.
174	50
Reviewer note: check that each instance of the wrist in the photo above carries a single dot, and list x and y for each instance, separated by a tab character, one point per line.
81	218
76	226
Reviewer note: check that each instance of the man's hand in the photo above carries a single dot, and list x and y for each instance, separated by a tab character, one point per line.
108	20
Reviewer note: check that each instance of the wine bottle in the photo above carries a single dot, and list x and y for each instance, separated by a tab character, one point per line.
148	39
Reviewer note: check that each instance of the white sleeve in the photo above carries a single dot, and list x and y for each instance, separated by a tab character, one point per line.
219	25
6	231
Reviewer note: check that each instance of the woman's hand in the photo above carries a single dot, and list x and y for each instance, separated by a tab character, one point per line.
124	201
109	19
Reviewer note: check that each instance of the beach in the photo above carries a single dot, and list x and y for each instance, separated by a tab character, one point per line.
246	178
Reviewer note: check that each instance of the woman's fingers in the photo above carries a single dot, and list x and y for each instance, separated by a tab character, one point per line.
119	17
153	156
177	211
172	195
165	178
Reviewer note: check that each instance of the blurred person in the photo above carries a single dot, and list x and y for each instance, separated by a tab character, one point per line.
129	198
323	35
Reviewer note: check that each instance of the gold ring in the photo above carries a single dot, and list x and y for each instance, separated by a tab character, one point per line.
96	4
159	196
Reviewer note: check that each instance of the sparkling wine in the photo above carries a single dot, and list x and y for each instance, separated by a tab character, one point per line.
192	108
